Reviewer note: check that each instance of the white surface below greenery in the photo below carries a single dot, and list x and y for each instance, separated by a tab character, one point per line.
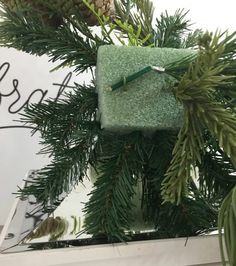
169	252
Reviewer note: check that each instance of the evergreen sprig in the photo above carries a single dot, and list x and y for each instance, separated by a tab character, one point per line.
216	173
68	127
191	39
171	29
144	15
195	91
64	44
137	13
158	155
109	210
195	213
61	121
227	222
186	154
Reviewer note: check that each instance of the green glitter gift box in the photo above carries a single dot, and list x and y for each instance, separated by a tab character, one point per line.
145	103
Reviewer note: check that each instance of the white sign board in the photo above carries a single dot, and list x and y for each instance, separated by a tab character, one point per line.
24	79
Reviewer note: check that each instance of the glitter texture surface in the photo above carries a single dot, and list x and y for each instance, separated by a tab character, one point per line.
146	103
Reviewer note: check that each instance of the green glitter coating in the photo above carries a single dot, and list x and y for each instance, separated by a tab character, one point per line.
146	103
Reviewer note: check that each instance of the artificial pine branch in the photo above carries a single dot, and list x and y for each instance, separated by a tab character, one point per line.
170	29
194	213
227	222
55	181
109	210
195	92
186	154
222	124
131	32
137	13
62	122
158	155
68	127
216	175
191	40
65	44
144	15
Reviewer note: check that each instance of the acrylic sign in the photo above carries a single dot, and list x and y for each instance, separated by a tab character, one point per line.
24	79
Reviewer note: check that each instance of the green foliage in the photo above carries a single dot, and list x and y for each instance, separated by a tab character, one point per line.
121	162
126	12
191	39
201	111
216	173
158	154
165	162
66	44
68	128
195	214
185	153
227	221
133	33
109	210
134	38
170	30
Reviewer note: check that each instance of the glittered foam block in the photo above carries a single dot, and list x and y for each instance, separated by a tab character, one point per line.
145	104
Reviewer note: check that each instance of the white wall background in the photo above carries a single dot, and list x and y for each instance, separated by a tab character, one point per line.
206	14
17	147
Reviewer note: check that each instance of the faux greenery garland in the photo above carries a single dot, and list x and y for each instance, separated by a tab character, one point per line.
205	85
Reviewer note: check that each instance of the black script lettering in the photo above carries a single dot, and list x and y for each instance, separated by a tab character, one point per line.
4	68
27	102
7	66
64	85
